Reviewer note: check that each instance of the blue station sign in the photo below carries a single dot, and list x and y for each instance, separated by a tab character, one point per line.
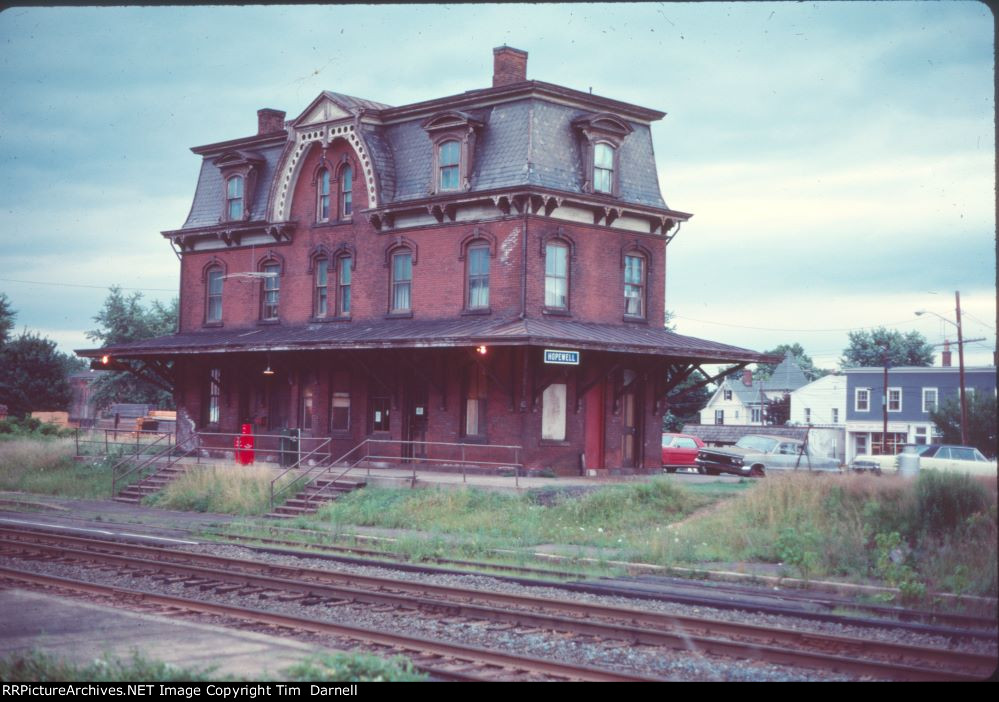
563	358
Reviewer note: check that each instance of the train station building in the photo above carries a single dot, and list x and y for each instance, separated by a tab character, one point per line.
485	270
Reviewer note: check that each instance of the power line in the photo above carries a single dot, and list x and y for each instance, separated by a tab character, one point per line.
77	285
743	326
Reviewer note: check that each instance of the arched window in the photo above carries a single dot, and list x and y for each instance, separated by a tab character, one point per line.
323	206
346	192
603	168
449	165
234	198
343	264
634	285
270	293
321	276
402	281
213	297
556	276
478	276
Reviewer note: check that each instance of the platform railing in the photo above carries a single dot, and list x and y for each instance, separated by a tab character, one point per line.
363	452
173	453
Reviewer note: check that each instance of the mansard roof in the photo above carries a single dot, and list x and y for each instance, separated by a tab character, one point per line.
527	139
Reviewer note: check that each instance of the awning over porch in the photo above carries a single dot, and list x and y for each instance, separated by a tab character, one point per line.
396	333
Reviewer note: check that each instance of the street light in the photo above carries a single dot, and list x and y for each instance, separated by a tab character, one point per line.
960	356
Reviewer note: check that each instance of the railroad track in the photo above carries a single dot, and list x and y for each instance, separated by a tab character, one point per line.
720	596
852	656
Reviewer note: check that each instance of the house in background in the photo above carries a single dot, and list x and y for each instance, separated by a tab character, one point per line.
913	392
742	400
821	405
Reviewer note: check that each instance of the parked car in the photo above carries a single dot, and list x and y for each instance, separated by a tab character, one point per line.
680	452
943	457
878	464
757	454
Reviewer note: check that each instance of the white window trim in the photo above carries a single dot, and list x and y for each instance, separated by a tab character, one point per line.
936	399
856	399
888	399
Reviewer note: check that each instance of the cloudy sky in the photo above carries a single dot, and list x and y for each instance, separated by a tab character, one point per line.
838	156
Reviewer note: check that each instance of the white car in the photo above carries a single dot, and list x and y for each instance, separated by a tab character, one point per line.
942	457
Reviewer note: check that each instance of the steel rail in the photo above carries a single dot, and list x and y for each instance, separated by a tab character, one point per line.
461	603
408	644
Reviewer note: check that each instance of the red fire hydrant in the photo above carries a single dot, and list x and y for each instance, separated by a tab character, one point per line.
244	445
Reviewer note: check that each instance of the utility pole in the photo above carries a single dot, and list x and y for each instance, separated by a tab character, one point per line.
884	404
960	356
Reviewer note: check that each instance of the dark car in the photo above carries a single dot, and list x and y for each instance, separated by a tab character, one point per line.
757	454
680	452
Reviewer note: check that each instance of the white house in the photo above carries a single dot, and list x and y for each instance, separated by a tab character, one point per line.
821	402
742	401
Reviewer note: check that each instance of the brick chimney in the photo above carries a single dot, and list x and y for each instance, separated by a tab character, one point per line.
509	65
945	356
747	378
269	121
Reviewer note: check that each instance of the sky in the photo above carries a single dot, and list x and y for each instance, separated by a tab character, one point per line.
838	157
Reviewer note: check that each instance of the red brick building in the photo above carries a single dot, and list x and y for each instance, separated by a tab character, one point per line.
405	273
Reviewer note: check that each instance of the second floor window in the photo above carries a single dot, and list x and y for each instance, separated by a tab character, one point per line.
862	400
234	197
322	287
894	399
323	209
634	286
557	276
448	163
346	192
271	291
929	399
213	313
402	281
478	277
343	279
603	168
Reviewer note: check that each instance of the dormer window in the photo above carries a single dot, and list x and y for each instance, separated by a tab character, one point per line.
603	168
234	198
602	136
452	136
238	170
449	165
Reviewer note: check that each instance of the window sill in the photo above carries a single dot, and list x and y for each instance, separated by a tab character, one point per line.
330	223
479	440
556	312
212	325
267	322
476	312
399	315
553	442
324	320
635	320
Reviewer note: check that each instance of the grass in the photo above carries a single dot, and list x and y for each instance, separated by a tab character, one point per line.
937	532
242	490
46	466
37	667
611	517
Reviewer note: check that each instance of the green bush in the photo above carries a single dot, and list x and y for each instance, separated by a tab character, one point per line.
354	667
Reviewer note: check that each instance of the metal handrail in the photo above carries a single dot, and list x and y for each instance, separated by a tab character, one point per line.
309	476
115	478
319	467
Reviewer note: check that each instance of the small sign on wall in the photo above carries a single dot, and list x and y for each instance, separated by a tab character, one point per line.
563	358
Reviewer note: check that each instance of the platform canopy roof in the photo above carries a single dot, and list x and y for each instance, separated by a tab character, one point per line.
401	334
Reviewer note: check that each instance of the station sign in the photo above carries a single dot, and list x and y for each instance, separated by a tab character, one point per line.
562	358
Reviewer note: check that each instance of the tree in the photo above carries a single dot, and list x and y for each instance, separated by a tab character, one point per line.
33	375
804	361
683	405
6	319
124	319
981	428
874	347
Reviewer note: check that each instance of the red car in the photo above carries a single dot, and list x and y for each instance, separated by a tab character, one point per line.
679	451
